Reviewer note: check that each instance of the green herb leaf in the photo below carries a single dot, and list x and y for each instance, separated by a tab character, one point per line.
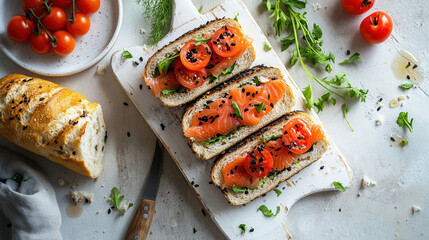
354	57
345	111
27	179
126	54
256	81
200	40
243	228
273	137
339	186
236	17
213	78
403	121
278	192
317	32
238	189
219	137
308	95
130	205
259	107
230	69
266	47
159	13
267	212
18	177
173	91
115	198
268	5
237	110
164	65
287	41
296	3
325	98
407	85
200	10
296	162
404	143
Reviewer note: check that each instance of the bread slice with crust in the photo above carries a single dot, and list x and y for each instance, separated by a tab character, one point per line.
177	99
283	106
276	128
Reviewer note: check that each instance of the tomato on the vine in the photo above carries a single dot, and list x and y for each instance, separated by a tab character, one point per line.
62	3
188	78
376	28
19	28
226	41
258	163
195	57
65	43
55	20
88	6
357	7
27	4
80	26
41	44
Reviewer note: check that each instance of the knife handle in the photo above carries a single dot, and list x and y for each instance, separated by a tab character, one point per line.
139	226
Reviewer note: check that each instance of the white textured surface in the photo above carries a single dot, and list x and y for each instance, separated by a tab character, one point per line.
401	174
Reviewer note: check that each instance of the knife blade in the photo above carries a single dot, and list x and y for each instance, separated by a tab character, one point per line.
139	226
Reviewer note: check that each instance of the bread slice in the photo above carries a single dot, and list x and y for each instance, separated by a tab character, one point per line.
283	106
276	128
177	99
54	122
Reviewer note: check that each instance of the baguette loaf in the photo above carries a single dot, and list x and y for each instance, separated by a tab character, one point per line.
54	122
283	106
177	99
239	198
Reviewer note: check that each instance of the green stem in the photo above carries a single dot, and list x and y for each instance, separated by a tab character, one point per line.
39	23
73	19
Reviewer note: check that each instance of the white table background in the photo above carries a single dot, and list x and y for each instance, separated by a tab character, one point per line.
381	212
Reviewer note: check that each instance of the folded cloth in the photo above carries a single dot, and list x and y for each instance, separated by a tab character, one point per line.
27	199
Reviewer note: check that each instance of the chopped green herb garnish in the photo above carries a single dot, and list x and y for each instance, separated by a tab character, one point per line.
18	177
296	162
213	78
267	47
256	81
237	110
403	121
126	54
354	57
115	198
278	192
339	186
267	212
229	70
238	189
345	111
200	40
173	91
273	137
159	13
406	85
259	107
156	73
218	137
164	65
404	143
325	98
200	10
236	17
243	228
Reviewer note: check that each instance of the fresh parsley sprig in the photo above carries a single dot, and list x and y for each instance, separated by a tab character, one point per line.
116	199
243	228
268	212
403	121
354	57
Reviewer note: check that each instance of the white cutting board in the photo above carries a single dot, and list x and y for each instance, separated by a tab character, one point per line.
227	217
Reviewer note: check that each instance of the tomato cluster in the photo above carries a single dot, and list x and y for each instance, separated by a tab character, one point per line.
47	27
375	28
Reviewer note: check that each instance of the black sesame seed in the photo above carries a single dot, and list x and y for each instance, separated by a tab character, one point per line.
141	86
141	59
41	99
415	66
272	105
378	109
210	182
195	230
74	153
203	211
109	211
136	63
246	192
393	140
322	167
23	128
96	147
348	52
128	134
408	65
125	103
192	183
162	126
197	185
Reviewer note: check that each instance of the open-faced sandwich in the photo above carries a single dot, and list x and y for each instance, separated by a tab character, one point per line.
269	157
197	61
236	109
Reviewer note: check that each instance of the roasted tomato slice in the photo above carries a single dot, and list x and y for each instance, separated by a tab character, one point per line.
259	162
195	57
297	136
226	41
188	78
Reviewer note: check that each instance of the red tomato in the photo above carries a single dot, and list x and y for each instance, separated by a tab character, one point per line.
27	4
357	7
55	20
297	136
188	78
258	163
226	41
376	27
88	6
80	26
19	28
62	3
41	44
65	43
195	57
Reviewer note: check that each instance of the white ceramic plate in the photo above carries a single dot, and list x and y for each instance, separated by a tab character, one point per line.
90	48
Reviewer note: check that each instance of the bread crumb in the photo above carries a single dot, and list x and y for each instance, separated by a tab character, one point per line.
367	182
415	209
102	186
98	212
101	69
61	182
401	98
81	196
104	230
393	103
316	6
402	104
408	96
142	31
74	185
379	120
359	194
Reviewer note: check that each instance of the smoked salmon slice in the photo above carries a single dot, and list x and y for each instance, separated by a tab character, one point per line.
234	175
161	82
282	157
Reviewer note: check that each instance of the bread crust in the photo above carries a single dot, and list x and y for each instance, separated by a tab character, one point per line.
25	119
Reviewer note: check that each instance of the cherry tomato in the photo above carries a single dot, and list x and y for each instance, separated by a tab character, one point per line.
41	44
226	41
27	4
376	28
258	163
65	43
188	78
297	136
80	26
55	20
195	57
62	3
88	6
357	7
19	28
